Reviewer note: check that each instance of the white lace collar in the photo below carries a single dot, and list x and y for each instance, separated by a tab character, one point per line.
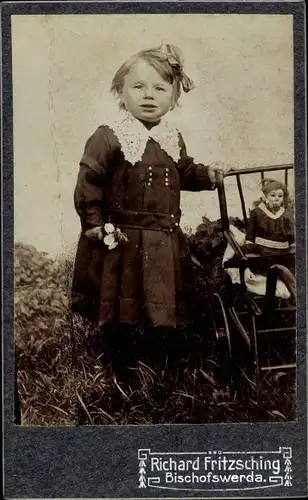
270	214
133	137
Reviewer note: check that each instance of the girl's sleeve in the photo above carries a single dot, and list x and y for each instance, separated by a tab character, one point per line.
193	177
89	190
251	227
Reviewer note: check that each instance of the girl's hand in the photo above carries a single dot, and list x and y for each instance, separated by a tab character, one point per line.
95	234
217	167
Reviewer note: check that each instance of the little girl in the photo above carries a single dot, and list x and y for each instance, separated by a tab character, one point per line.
271	223
128	266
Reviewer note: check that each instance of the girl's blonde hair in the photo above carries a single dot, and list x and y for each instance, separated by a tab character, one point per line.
168	62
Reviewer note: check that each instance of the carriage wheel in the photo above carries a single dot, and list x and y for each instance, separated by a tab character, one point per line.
278	271
289	280
222	329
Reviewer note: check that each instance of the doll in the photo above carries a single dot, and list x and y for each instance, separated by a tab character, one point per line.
271	222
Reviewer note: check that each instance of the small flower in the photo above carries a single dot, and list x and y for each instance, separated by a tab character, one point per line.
114	236
115	244
109	228
110	241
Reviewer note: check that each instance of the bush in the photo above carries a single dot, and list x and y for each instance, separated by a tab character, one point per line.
42	339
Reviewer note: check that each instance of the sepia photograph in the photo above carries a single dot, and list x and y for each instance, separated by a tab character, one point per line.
154	219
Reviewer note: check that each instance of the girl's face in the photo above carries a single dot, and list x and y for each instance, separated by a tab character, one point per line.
275	198
146	95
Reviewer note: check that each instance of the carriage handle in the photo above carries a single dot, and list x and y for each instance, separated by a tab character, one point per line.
224	215
222	201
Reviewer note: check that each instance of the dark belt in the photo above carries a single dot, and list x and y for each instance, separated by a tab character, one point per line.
155	221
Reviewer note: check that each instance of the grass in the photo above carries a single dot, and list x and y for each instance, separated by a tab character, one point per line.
66	375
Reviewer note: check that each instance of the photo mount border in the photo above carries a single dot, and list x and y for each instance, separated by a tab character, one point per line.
64	462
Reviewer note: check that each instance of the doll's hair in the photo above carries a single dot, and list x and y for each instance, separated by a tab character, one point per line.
168	62
269	185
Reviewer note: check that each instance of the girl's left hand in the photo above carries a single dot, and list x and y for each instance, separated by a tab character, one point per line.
217	166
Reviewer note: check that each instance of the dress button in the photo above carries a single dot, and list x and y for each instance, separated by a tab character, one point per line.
150	168
176	224
171	230
172	216
166	183
149	184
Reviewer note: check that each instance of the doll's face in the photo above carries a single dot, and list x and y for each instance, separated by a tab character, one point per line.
146	95
274	198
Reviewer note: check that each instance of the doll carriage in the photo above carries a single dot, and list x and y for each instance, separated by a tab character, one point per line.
253	310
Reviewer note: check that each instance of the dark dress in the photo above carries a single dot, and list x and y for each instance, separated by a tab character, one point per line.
141	280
